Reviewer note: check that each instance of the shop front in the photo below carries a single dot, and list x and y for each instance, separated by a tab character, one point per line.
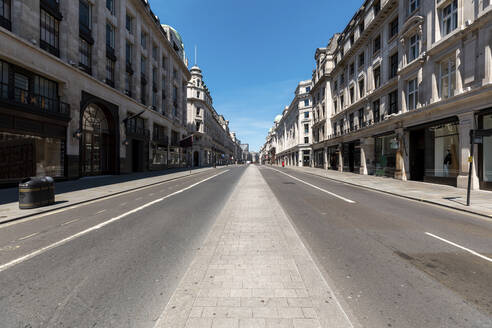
485	151
351	156
385	148
319	158
333	162
434	150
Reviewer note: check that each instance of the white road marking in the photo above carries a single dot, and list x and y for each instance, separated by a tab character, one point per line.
123	204
68	222
29	236
316	187
5	225
459	246
7	265
138	198
102	211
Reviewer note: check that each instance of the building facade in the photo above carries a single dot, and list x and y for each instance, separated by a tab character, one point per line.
88	88
213	143
399	90
293	129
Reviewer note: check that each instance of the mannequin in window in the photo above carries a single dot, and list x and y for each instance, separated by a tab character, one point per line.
448	161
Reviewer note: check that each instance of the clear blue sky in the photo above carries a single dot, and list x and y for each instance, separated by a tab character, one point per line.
253	53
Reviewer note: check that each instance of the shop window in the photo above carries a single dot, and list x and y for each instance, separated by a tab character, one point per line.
449	18
49	30
444	141
487	150
385	155
447	78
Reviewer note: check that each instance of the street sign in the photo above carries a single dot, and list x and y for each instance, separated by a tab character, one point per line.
478	140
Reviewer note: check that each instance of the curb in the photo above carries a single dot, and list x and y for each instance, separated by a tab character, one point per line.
95	199
400	195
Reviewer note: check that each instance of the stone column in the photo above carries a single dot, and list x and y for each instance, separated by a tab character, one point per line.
369	150
467	123
459	71
400	172
325	158
488	60
340	158
363	166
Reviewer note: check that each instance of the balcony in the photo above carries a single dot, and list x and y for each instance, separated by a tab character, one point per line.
33	103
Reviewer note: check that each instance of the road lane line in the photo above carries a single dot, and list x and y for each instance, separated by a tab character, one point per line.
123	204
24	258
68	222
29	236
459	246
102	211
316	187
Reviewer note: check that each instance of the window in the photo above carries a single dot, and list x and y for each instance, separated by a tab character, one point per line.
198	94
128	84
361	59
110	71
361	28
129	53
393	102
85	17
412	6
110	6
449	18
143	40
175	74
377	77
448	78
154	79
377	7
306	102
49	33
198	111
335	85
375	111
143	91
413	47
306	128
109	36
393	28
342	78
342	104
335	106
376	44
361	88
48	92
393	66
129	23
5	14
351	93
143	65
308	89
85	55
306	114
352	69
352	39
412	94
306	140
163	87
155	51
361	118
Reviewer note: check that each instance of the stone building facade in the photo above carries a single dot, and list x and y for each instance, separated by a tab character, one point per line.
213	143
89	87
400	89
293	129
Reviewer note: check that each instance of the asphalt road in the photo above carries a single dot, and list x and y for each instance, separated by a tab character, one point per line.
384	256
75	268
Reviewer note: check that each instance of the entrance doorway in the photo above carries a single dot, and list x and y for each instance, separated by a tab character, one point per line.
196	159
96	142
417	155
137	156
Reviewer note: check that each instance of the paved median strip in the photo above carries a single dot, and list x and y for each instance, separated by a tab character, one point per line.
24	258
316	187
459	246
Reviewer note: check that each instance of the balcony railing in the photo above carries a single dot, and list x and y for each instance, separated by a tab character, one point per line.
33	102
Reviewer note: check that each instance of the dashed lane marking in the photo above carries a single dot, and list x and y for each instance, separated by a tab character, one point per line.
459	246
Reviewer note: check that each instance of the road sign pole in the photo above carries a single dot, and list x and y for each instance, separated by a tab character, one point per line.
470	172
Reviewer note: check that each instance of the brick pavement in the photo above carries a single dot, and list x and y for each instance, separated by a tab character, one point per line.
253	271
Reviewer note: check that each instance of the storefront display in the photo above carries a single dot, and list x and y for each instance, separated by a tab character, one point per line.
434	153
319	158
28	155
333	158
385	155
486	153
160	156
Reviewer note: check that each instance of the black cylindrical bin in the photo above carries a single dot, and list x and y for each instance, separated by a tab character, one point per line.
36	192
